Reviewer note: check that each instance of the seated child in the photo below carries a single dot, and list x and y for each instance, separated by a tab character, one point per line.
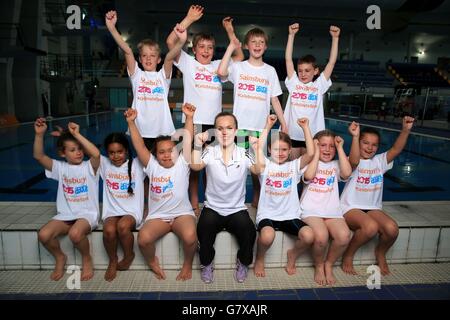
77	197
361	199
320	204
169	206
123	200
278	207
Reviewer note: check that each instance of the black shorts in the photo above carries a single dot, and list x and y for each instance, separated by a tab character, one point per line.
289	226
149	143
298	144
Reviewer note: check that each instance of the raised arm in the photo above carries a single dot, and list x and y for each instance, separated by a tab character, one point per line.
258	145
311	170
309	155
188	110
290	69
174	52
227	23
400	143
136	138
279	112
38	147
334	32
222	71
195	12
110	21
354	156
344	164
91	150
199	140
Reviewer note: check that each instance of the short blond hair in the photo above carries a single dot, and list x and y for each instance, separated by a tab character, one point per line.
150	43
255	32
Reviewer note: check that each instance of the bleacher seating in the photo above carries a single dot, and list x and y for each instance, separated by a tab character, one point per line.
419	74
361	73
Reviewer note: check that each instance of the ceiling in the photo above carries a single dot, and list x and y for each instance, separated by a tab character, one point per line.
424	23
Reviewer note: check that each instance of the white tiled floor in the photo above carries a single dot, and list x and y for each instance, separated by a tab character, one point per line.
276	279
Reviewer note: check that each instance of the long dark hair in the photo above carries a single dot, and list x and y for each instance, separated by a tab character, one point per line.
121	138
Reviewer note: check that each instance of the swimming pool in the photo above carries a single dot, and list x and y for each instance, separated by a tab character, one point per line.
421	172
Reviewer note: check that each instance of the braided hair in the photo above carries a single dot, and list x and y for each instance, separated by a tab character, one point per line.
121	138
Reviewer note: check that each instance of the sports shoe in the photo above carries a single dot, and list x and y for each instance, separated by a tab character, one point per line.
207	273
241	272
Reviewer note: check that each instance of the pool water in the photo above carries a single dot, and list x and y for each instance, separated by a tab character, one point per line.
421	172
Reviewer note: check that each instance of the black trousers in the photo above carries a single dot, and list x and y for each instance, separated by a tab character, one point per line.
238	224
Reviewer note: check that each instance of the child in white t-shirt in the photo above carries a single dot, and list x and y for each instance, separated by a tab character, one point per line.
278	207
77	198
150	87
361	199
169	206
256	87
320	204
305	95
123	201
202	86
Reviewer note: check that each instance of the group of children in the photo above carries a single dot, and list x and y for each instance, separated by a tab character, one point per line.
228	146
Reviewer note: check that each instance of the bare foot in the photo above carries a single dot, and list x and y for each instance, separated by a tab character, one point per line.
154	266
319	275
185	273
258	269
382	263
329	274
60	263
125	263
111	271
290	266
88	271
347	265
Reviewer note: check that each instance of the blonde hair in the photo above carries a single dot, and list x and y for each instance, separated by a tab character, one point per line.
255	32
324	133
150	43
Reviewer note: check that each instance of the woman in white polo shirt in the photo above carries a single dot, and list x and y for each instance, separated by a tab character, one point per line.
227	167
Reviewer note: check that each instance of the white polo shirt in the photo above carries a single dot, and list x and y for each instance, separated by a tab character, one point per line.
225	190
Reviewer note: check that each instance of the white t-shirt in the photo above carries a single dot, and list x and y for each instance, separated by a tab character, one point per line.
320	197
202	88
254	86
225	190
278	199
305	100
77	195
168	189
364	189
116	199
150	91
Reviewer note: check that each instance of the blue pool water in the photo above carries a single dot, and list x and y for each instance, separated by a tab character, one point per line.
421	172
